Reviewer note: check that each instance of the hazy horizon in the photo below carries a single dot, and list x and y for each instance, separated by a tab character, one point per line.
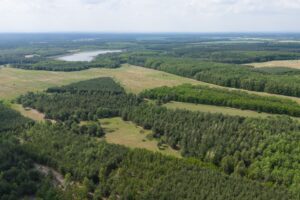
150	16
153	32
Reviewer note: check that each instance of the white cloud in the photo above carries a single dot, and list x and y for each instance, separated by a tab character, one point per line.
150	15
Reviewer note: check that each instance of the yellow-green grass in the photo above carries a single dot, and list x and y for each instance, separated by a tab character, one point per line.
130	135
30	113
14	82
218	109
280	63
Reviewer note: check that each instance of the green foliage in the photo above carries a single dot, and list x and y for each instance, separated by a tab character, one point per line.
113	171
229	75
223	97
265	150
278	70
91	128
235	144
78	107
82	101
98	85
280	161
238	56
18	177
108	61
11	119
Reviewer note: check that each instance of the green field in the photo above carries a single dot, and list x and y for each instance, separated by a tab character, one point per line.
130	135
218	109
14	82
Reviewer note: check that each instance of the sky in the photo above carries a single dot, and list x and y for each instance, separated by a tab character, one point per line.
150	16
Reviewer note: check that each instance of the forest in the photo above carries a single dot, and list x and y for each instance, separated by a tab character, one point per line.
58	65
77	103
113	171
229	75
224	97
216	156
97	85
18	177
237	145
11	119
110	171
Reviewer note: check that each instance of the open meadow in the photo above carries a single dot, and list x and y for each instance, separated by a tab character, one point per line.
135	79
218	109
278	63
130	135
14	82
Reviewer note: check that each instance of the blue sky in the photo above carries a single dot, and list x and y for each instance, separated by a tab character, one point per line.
150	15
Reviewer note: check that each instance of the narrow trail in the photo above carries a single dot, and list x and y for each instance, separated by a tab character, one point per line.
58	178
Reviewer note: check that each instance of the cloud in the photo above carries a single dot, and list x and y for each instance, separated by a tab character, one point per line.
150	15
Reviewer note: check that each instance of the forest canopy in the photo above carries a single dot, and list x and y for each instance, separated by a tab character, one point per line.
224	97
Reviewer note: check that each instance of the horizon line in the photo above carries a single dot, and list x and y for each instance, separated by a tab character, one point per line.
149	32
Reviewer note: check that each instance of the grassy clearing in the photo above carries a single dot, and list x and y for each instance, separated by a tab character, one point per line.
130	135
14	82
282	63
218	109
30	113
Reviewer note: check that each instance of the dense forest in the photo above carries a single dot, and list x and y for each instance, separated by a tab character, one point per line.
76	103
224	97
112	171
97	85
236	53
19	179
18	176
238	145
10	119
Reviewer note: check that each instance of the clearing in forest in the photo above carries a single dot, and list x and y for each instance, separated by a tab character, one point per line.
219	109
279	63
14	82
215	109
128	134
29	112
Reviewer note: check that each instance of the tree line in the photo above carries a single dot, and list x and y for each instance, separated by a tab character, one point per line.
97	85
223	97
50	64
228	75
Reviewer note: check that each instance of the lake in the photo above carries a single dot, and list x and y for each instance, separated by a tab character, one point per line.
87	56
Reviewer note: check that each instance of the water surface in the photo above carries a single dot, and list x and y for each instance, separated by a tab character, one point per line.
87	56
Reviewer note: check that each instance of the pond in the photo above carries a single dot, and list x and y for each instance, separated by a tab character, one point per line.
87	56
